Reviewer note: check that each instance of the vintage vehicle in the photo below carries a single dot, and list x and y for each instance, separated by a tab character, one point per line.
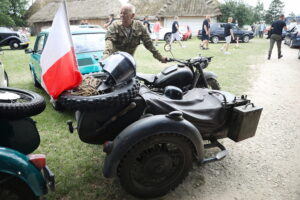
152	139
22	175
217	33
13	39
186	75
292	37
89	46
3	75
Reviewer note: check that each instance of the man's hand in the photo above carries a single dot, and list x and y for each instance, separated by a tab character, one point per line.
164	60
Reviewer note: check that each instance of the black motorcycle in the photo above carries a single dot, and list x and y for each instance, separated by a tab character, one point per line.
152	139
186	75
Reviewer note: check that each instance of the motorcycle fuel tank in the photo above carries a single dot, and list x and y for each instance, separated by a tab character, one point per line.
176	75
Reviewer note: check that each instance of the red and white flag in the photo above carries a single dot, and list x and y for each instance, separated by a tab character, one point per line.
58	62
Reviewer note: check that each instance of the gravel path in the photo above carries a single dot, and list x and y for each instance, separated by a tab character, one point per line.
266	166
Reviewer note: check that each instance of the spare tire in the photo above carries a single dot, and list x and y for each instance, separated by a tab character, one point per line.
120	95
17	103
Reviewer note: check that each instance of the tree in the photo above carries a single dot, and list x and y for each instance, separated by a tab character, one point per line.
275	9
17	9
259	12
12	12
5	18
238	10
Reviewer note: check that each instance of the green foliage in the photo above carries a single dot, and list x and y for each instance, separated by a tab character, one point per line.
258	12
5	18
238	10
275	9
12	12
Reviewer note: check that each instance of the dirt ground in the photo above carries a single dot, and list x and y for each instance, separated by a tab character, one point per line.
266	166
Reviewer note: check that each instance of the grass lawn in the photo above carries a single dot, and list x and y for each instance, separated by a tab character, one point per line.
78	166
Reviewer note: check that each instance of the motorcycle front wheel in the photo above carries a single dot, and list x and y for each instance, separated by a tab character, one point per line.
156	165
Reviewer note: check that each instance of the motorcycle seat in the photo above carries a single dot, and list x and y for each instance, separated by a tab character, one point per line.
147	78
198	106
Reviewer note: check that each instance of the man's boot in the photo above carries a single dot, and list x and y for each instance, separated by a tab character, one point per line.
269	56
280	56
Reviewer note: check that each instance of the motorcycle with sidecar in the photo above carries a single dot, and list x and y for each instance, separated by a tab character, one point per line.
22	175
151	139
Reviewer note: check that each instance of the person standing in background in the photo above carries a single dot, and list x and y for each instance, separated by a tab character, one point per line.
156	30
147	24
205	33
237	36
228	32
276	36
261	30
175	32
109	21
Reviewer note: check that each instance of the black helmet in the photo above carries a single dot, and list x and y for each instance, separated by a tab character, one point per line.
120	66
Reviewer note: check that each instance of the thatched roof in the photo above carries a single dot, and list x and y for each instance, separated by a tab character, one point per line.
78	10
170	8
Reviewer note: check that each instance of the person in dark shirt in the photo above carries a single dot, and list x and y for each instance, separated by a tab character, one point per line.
276	32
109	21
205	33
228	33
147	24
175	32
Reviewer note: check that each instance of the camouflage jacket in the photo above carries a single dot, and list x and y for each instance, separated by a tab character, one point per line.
116	39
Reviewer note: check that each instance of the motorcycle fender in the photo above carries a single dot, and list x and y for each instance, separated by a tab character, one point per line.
17	164
11	37
144	128
209	75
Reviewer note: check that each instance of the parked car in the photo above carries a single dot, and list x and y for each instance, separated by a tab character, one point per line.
217	33
164	33
3	75
89	45
13	39
292	37
186	32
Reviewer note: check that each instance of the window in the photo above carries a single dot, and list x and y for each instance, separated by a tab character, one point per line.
40	44
89	42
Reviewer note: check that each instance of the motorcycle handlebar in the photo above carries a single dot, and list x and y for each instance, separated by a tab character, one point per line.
189	61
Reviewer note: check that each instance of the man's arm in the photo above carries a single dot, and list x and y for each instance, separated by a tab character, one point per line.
109	38
231	32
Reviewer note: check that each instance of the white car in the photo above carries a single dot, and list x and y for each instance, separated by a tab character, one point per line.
164	33
3	75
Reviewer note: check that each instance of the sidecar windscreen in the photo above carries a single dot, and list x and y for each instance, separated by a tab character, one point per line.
199	107
120	66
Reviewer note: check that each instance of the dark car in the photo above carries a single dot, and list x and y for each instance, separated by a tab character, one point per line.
217	33
13	39
292	37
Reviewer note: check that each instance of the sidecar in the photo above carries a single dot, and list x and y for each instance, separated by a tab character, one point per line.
152	140
22	175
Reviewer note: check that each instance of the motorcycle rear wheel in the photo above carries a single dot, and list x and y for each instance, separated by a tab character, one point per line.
213	84
156	165
17	103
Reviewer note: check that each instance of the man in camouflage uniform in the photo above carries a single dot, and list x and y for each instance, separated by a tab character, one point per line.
126	35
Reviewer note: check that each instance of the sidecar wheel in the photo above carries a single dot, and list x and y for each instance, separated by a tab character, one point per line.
17	103
156	165
119	96
213	84
15	189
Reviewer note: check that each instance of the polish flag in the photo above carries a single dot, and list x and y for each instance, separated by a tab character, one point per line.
58	62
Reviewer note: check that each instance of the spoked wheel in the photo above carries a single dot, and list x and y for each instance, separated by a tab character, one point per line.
156	165
16	103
